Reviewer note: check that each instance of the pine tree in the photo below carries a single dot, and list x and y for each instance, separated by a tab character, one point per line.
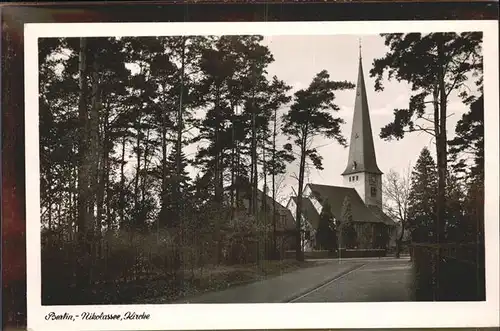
456	227
469	141
326	237
116	115
435	65
347	232
173	202
422	199
310	116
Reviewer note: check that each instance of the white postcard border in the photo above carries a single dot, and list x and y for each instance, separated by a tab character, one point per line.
256	316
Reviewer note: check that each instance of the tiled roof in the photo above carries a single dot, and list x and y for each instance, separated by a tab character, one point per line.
281	210
381	215
284	219
335	196
308	211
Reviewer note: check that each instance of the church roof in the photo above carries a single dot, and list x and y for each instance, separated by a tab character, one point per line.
381	215
361	148
335	196
289	222
309	211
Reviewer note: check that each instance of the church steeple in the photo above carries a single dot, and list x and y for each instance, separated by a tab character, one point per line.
361	148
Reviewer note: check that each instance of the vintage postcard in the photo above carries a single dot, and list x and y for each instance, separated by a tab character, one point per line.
262	175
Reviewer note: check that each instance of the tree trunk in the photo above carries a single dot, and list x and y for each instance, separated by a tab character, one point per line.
177	189
238	176
94	164
298	253
399	240
83	169
138	169
102	172
442	162
254	161
233	151
144	178
441	151
264	199
163	200
69	223
437	128
122	184
218	193
107	142
274	180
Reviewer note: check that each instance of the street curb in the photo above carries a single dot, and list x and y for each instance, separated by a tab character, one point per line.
297	295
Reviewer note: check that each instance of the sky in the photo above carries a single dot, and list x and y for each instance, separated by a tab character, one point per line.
299	58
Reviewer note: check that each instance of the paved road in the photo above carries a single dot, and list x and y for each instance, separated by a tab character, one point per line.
374	281
277	289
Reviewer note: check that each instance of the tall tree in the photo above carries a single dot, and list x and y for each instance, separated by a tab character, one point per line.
347	232
467	157
326	237
456	224
258	58
422	198
469	141
179	190
310	116
396	189
144	90
279	157
435	65
84	216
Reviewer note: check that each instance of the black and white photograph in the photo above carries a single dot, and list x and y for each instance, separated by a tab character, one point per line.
261	168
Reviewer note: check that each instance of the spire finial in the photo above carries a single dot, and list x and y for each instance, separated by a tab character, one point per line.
359	40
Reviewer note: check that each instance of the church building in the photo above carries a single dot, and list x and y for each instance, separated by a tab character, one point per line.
362	185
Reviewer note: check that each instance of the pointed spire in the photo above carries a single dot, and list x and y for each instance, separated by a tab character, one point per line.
359	48
361	148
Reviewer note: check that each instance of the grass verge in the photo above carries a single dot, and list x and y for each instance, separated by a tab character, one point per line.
161	288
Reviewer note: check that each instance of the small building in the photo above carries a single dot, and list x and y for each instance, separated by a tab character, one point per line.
285	227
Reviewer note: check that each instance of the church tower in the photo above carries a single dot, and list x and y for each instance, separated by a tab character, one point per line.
362	172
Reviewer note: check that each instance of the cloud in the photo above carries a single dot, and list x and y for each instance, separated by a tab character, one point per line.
401	101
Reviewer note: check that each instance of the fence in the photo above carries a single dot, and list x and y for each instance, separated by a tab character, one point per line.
449	272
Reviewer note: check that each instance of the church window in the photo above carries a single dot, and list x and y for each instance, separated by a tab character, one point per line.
283	219
374	191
